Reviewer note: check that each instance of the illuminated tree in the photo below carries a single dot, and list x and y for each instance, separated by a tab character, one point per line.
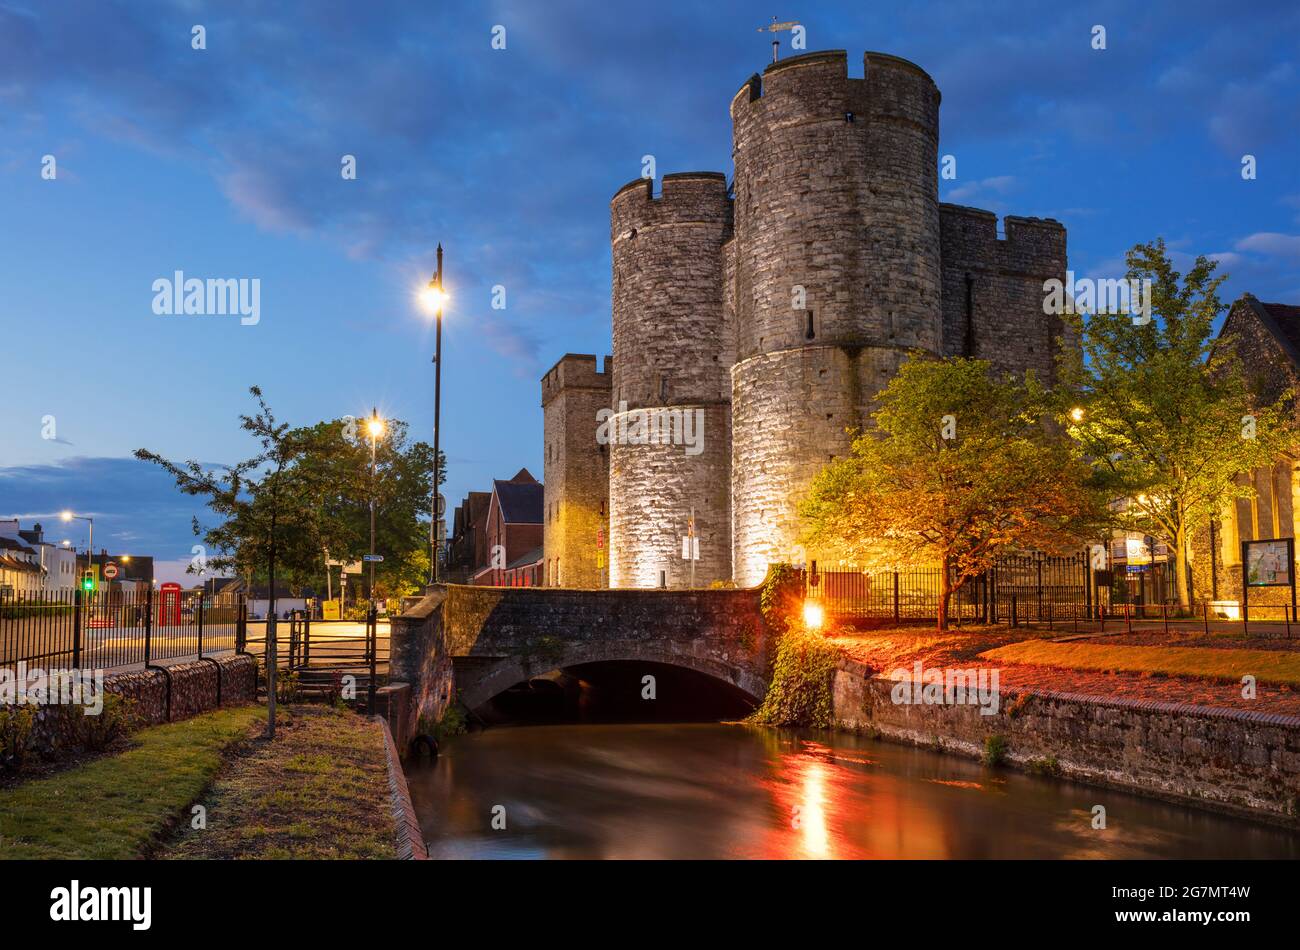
959	468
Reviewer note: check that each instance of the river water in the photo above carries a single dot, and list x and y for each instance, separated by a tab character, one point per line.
718	790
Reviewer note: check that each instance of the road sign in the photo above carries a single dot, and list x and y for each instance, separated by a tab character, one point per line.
110	570
372	557
690	548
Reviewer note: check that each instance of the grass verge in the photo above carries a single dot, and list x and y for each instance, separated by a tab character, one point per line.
1267	666
319	790
117	806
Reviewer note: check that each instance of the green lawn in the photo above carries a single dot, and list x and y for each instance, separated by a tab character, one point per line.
117	806
1267	666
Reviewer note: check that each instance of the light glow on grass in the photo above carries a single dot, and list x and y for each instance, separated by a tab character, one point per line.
1267	666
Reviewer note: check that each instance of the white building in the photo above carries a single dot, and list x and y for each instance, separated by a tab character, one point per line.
29	564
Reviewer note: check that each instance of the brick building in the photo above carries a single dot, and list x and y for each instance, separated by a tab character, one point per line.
514	530
467	550
753	323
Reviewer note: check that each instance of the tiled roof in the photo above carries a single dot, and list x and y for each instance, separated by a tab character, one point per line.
521	502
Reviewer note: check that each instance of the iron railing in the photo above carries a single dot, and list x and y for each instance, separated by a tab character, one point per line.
112	628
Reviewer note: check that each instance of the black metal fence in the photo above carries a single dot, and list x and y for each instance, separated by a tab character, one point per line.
1029	588
112	628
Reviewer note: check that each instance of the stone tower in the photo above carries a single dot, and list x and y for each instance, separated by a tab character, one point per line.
575	533
834	268
776	310
670	448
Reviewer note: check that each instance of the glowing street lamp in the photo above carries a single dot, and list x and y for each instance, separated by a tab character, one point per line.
1077	413
813	615
90	540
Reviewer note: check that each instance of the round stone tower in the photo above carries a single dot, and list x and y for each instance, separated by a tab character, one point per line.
836	273
670	435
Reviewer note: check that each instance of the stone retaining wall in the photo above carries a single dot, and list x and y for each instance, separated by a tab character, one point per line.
159	695
1228	759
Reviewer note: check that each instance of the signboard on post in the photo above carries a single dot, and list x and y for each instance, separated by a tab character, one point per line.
372	557
1267	564
110	571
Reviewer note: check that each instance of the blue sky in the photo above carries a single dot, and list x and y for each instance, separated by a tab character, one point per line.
225	162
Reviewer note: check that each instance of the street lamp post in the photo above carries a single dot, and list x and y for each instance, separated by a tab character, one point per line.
376	428
90	540
435	295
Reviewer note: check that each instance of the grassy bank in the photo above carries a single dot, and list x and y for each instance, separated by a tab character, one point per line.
320	790
117	806
1267	666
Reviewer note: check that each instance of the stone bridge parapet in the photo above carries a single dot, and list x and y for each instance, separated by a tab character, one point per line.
479	641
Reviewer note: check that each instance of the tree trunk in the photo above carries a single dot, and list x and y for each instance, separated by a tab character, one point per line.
271	656
1180	568
945	595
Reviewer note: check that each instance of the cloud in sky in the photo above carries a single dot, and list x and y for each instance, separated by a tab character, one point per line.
136	506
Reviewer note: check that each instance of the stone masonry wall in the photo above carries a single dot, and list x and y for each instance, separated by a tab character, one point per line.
792	414
653	489
1270	368
162	695
1223	758
1007	323
477	641
836	193
576	473
672	348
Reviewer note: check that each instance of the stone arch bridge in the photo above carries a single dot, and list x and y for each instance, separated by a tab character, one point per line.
479	641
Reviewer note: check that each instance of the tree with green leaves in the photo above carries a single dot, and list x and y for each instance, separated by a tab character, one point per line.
265	506
1164	412
337	456
961	467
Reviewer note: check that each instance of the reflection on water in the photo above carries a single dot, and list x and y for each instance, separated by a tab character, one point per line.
731	791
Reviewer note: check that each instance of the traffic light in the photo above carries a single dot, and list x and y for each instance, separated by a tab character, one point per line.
88	580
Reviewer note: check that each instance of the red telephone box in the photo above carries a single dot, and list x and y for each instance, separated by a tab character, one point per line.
169	605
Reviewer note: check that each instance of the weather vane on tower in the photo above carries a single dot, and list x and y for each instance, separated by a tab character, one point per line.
793	26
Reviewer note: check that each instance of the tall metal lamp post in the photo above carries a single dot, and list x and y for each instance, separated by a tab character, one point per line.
434	298
90	541
375	426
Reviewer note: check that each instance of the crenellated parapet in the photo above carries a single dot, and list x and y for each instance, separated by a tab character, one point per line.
994	288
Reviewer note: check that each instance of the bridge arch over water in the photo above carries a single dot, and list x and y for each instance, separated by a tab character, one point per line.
477	642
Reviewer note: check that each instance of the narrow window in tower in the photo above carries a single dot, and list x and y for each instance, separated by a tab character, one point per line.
663	389
810	332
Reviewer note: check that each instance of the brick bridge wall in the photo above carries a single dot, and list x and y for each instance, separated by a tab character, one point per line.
479	641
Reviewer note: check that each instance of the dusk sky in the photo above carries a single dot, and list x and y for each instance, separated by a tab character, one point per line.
225	163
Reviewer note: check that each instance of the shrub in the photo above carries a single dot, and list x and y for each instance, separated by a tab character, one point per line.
16	724
115	720
995	750
1047	766
801	692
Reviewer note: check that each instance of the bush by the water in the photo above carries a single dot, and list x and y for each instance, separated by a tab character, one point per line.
803	668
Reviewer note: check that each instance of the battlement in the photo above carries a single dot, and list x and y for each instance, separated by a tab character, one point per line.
684	198
889	86
971	235
577	371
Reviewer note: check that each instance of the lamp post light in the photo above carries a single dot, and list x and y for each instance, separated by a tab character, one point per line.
376	429
434	298
90	540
